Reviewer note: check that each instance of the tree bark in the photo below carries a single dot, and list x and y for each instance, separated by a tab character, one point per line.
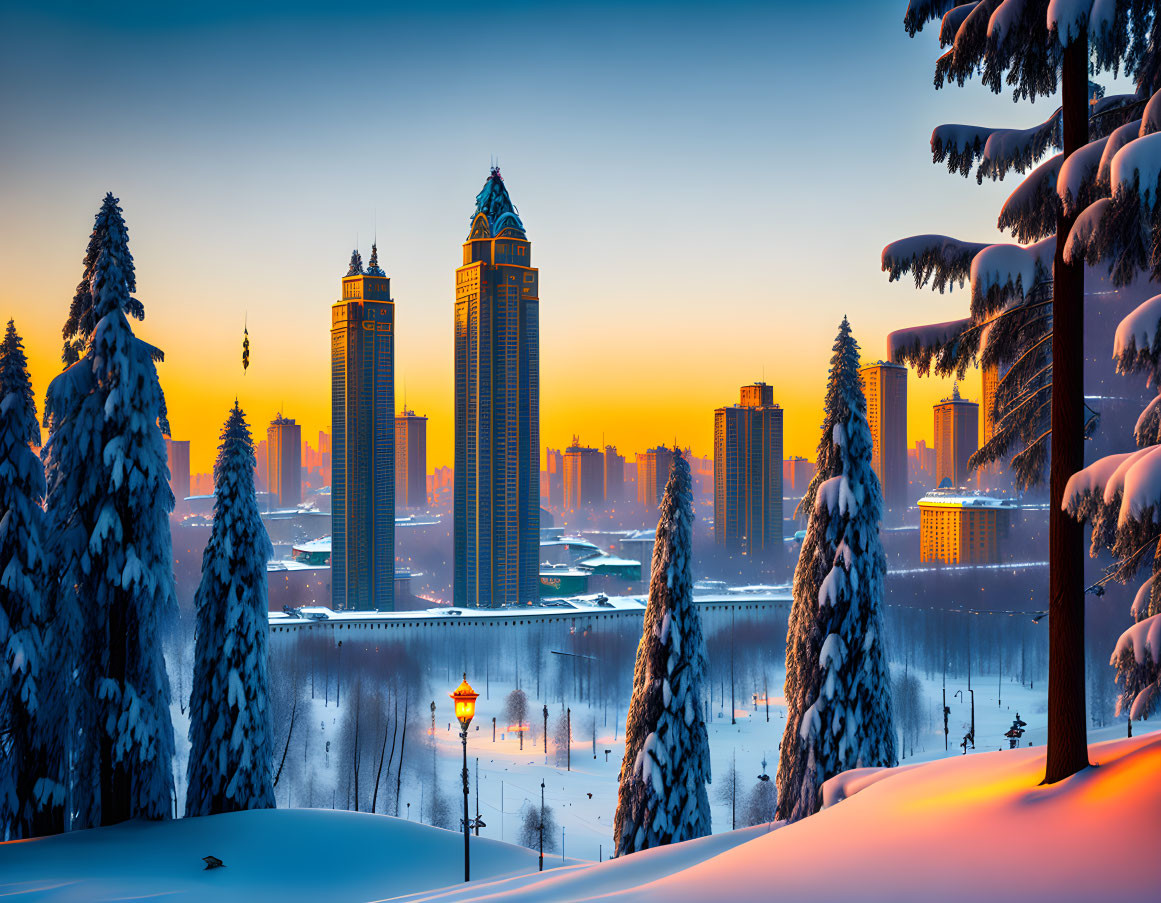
1067	734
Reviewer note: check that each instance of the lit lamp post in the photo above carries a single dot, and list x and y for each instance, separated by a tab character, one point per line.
465	701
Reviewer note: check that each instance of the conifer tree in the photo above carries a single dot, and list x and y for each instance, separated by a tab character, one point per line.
28	793
1027	304
662	797
108	504
229	731
838	705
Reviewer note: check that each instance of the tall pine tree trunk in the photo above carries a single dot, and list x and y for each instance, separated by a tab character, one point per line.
1067	737
116	780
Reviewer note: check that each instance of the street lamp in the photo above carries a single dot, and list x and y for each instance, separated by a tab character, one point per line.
465	701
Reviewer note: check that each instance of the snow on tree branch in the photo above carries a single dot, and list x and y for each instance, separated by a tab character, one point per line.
1018	149
1068	19
1078	176
1142	644
1002	272
1147	430
1032	209
940	346
939	258
952	20
1117	139
920	12
1137	344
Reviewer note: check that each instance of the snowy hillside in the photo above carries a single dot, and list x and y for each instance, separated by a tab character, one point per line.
962	829
968	828
287	855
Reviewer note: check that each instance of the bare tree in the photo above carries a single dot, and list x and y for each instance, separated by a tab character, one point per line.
761	803
516	712
726	791
529	835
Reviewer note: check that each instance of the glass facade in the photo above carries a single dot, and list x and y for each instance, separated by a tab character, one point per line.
363	446
497	409
748	473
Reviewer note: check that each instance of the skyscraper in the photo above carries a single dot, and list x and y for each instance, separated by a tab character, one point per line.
956	438
497	408
584	477
885	385
410	460
178	453
554	461
748	472
652	475
363	440
284	461
991	475
614	475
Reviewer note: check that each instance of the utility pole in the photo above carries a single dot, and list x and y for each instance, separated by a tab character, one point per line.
733	719
477	796
546	733
541	826
568	741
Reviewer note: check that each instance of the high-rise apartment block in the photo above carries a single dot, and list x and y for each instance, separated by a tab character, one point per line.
652	475
284	461
363	440
957	431
748	472
584	477
497	408
885	385
797	472
410	460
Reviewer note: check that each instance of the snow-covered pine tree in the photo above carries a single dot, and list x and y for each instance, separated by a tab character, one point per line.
838	691
662	797
1027	305
229	729
107	505
28	791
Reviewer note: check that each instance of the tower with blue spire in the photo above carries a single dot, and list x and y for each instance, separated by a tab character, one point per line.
497	408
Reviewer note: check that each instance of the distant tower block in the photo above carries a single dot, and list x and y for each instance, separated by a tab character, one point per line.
748	473
652	475
363	440
885	385
496	496
284	461
956	438
584	477
179	479
410	461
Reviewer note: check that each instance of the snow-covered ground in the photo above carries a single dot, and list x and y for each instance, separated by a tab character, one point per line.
287	855
966	829
960	829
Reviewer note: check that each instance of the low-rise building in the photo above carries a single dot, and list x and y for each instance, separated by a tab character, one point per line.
957	527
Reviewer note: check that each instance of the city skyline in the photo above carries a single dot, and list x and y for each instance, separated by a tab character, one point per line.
278	251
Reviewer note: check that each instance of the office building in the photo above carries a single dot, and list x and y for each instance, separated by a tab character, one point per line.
748	473
497	408
363	440
652	475
921	467
957	527
885	386
797	472
554	474
956	438
284	462
410	461
584	477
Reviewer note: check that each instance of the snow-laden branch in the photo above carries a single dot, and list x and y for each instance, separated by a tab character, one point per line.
939	258
1078	175
1117	139
940	345
952	20
998	150
1003	272
1137	343
1147	430
1032	209
920	12
1068	19
1137	657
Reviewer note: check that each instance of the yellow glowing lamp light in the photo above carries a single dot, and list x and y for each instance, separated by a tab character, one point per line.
465	699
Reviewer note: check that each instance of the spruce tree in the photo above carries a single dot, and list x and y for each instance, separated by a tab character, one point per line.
108	504
838	707
229	730
27	795
662	797
1027	305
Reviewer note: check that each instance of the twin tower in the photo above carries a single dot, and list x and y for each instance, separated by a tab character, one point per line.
496	494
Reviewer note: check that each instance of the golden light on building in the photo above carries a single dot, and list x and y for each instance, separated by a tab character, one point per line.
963	528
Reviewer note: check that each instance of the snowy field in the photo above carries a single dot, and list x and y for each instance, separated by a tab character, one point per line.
979	828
